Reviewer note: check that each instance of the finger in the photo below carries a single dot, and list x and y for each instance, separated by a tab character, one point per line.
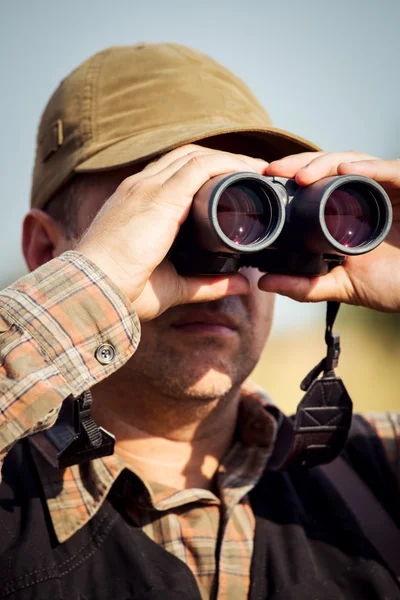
333	286
168	158
156	176
290	165
181	180
386	172
259	163
327	166
192	150
308	167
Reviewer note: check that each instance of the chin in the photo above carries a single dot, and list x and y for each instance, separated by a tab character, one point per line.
204	372
210	385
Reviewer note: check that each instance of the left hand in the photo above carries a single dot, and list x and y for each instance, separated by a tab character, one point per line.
371	280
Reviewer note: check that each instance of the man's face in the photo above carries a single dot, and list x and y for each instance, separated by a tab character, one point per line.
200	351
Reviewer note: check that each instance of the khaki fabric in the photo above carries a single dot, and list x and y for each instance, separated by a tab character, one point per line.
131	103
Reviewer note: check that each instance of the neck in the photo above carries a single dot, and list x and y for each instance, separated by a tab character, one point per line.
176	442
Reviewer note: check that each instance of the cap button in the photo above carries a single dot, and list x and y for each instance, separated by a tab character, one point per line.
105	354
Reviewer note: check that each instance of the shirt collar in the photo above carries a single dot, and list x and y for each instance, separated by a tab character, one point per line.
74	495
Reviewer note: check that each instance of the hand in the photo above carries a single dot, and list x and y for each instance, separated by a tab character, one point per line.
133	232
372	279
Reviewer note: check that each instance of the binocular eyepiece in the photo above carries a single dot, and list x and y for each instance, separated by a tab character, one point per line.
271	223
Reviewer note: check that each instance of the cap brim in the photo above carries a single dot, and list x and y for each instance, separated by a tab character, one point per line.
276	142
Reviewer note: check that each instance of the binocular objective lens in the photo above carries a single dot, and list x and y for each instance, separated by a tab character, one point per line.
352	215
244	214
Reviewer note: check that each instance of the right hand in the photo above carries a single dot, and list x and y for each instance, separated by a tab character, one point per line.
134	230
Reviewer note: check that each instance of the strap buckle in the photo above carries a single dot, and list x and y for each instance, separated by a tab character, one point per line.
323	418
75	437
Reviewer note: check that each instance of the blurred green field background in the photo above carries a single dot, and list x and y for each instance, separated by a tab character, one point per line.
369	362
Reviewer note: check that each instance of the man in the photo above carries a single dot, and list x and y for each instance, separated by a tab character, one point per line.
187	507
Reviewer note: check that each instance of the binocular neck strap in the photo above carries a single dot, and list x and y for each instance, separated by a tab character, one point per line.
316	435
318	432
332	341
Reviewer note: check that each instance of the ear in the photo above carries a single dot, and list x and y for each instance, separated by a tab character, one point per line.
42	239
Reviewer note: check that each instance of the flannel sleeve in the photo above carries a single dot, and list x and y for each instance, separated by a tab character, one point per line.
51	323
387	427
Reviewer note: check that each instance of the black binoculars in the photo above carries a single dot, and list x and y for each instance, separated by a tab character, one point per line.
272	223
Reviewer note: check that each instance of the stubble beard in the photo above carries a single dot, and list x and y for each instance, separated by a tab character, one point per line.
201	374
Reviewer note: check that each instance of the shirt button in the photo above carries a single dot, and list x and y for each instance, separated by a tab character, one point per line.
105	353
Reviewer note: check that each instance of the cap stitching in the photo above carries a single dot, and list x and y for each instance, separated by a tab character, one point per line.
95	97
86	127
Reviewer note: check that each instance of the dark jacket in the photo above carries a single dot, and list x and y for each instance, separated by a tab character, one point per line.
307	544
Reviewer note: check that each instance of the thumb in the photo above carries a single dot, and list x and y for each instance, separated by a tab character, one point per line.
207	288
386	172
332	286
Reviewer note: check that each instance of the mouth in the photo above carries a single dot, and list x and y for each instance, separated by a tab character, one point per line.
206	323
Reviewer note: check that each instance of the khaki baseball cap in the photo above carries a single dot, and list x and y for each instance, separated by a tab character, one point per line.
132	103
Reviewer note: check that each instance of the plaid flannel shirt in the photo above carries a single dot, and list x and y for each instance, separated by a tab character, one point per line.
51	323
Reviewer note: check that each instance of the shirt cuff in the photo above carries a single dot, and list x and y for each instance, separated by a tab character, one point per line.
70	307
